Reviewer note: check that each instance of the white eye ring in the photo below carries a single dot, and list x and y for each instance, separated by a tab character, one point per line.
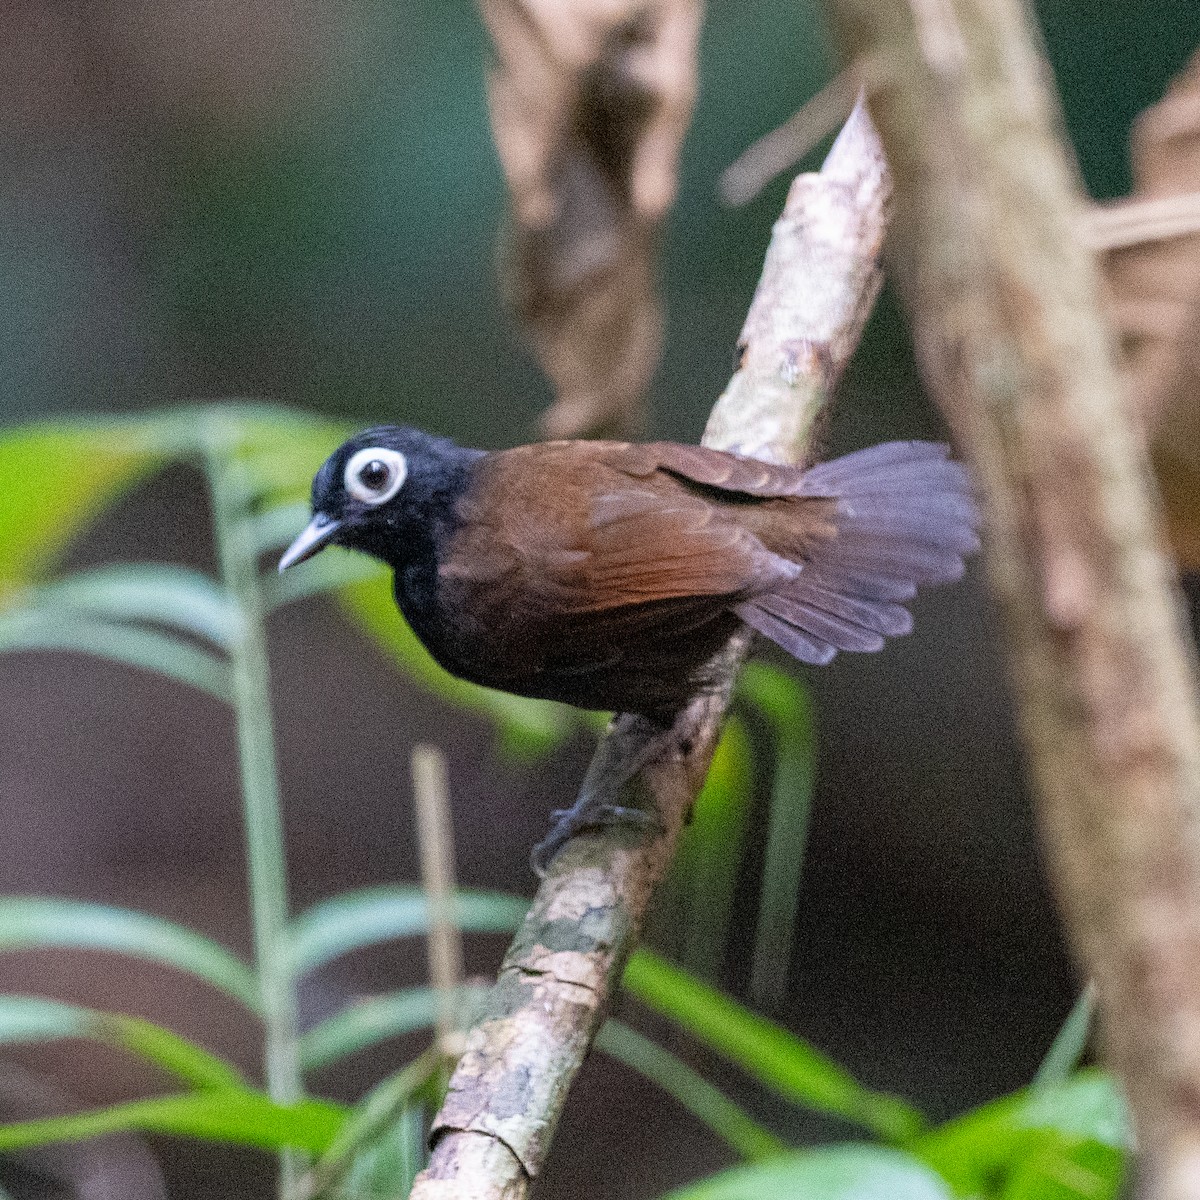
375	474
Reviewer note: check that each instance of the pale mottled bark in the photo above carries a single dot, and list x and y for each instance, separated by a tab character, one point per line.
1005	311
492	1135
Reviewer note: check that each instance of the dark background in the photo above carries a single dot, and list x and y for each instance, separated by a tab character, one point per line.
297	200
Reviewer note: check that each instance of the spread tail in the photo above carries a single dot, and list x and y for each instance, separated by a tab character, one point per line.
905	516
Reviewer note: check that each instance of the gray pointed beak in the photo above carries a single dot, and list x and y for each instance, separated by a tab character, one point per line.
315	536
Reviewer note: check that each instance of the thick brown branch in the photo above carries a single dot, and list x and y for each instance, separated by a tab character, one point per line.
492	1135
1005	310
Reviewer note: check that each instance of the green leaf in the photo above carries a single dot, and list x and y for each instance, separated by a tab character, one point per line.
1088	1105
373	1117
388	1167
25	1019
710	853
689	1088
54	478
788	707
241	1117
1060	1140
189	1063
332	569
1050	1169
28	923
280	450
47	629
368	1022
364	918
781	1061
274	528
850	1172
1069	1043
276	450
528	727
162	595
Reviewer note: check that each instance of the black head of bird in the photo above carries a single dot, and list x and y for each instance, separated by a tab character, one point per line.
607	575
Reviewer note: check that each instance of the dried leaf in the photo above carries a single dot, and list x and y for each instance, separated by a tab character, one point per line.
1151	262
590	101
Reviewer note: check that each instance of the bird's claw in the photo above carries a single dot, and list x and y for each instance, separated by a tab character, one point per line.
570	821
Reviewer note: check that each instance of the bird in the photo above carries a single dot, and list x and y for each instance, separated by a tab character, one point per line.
609	575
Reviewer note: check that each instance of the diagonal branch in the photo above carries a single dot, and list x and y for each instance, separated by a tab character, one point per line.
1006	314
491	1138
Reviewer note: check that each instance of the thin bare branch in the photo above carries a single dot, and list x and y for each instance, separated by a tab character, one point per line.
1011	335
435	839
1134	222
784	147
493	1133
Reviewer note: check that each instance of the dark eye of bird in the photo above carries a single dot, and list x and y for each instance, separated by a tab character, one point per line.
375	475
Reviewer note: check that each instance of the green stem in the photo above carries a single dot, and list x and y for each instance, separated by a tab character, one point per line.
250	688
1069	1043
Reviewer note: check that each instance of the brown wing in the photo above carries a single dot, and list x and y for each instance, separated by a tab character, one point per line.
729	472
658	541
581	551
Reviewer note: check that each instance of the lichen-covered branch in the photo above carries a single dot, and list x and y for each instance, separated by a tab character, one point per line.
1004	305
493	1133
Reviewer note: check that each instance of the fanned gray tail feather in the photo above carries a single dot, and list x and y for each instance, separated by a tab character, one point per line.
905	517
